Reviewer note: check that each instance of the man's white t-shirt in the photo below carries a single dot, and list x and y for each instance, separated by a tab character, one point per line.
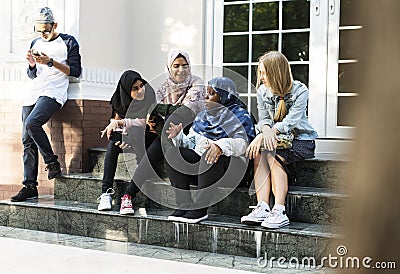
49	81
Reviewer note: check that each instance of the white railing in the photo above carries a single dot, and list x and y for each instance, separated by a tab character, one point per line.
94	83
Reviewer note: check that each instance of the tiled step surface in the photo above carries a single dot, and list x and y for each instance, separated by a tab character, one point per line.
325	170
218	234
303	204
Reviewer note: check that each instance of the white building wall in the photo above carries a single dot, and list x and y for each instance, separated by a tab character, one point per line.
158	26
105	32
117	35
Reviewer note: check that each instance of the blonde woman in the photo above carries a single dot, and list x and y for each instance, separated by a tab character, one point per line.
281	104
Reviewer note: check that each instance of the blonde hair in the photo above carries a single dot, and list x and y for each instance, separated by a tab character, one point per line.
279	78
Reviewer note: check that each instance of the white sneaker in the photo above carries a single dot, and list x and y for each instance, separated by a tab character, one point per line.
259	213
141	212
106	200
276	219
126	205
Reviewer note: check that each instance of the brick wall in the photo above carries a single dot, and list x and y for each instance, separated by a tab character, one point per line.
71	131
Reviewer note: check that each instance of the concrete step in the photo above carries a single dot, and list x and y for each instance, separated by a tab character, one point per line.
218	234
303	204
325	170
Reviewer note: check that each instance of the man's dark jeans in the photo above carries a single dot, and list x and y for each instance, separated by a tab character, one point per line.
34	138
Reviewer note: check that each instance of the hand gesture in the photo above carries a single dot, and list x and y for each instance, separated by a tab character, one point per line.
151	123
266	140
254	148
173	130
112	126
42	59
122	145
213	153
30	58
270	139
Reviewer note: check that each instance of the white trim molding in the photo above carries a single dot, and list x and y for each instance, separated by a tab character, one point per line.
94	84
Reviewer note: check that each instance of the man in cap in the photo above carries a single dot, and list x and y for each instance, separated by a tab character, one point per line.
52	57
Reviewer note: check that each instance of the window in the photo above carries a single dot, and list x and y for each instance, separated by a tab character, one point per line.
251	28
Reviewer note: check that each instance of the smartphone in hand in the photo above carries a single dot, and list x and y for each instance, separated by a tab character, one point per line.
116	136
36	53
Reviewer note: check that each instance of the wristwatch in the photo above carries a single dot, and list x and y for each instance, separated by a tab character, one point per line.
50	63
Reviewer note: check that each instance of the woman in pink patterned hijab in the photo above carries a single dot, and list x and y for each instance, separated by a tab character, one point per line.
181	87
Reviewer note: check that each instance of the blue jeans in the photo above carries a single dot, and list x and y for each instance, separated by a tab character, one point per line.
34	138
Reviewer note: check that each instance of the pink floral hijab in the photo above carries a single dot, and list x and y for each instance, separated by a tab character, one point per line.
190	93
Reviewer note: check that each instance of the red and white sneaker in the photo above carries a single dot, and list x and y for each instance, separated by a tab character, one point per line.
126	205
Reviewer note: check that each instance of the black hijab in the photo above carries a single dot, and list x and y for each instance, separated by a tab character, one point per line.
121	99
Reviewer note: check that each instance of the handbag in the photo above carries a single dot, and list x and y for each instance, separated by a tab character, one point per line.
285	140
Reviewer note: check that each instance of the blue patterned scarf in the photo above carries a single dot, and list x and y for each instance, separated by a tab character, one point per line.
228	120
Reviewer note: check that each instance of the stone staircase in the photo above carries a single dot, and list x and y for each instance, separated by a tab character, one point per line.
313	205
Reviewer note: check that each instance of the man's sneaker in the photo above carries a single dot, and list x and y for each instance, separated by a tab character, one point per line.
257	215
106	200
194	216
54	170
26	193
126	205
276	219
176	215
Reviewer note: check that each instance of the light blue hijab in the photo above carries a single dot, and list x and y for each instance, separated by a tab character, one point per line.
230	119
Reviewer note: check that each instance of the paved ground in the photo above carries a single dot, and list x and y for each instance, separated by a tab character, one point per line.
28	251
47	258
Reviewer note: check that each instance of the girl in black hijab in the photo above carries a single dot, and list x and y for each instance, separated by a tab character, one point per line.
130	103
122	98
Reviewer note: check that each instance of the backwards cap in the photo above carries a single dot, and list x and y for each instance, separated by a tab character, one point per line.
45	16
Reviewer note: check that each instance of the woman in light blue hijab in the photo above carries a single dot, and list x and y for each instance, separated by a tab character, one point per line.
210	155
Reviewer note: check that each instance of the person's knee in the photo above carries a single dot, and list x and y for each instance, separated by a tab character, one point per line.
26	140
28	144
32	123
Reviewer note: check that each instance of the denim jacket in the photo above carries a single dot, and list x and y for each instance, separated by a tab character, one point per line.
295	119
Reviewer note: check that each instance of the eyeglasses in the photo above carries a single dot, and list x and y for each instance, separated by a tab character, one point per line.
44	32
136	88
